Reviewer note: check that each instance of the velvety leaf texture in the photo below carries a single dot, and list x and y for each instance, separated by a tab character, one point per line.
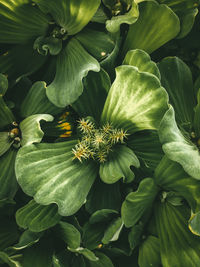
73	64
36	217
136	101
56	177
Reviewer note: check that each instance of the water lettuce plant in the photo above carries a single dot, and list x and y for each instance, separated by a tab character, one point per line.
99	133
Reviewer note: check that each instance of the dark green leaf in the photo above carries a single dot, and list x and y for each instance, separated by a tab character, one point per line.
71	15
6	116
45	45
113	231
3	84
27	239
102	216
88	254
73	64
36	217
17	26
5	142
138	202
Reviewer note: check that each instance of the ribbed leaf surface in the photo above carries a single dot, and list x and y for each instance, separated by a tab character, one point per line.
136	101
56	177
37	217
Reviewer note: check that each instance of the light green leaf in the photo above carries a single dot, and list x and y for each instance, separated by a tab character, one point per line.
56	177
96	86
149	252
150	36
140	59
176	78
147	147
99	44
179	247
136	101
170	176
30	128
177	147
88	254
136	203
73	64
118	164
20	60
8	181
113	231
36	102
194	223
3	84
71	15
130	17
36	217
69	234
27	239
6	116
45	45
16	26
5	143
103	196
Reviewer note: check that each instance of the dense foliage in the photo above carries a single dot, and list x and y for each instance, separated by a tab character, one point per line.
99	133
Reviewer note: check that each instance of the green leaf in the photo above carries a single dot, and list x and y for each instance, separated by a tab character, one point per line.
147	147
149	252
16	26
150	36
36	217
11	261
48	44
118	164
5	143
36	102
71	15
113	231
196	121
103	261
103	196
6	116
20	60
8	181
102	215
56	177
9	233
138	202
30	128
176	78
73	64
96	86
179	247
194	223
130	17
130	98
171	177
97	43
27	239
140	59
88	254
39	255
69	234
93	234
3	84
134	236
177	147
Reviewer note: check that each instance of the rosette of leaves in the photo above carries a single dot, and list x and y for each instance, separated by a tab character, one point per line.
157	215
52	39
135	103
181	143
20	128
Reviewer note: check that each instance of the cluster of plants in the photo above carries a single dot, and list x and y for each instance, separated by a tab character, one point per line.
99	133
